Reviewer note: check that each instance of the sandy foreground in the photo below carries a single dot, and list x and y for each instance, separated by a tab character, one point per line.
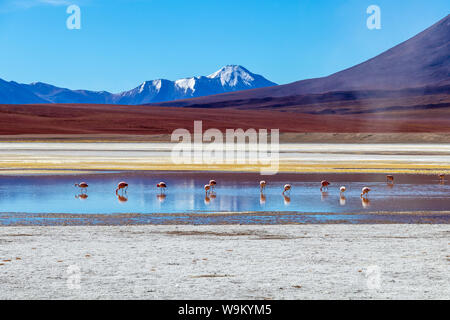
403	261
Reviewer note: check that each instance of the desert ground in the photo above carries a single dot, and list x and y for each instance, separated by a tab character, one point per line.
225	262
88	119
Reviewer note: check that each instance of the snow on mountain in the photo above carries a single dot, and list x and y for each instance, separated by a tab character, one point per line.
233	76
226	79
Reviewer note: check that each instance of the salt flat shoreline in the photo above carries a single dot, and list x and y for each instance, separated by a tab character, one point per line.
44	157
223	218
400	261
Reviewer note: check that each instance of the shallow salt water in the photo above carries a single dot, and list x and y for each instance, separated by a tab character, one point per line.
235	192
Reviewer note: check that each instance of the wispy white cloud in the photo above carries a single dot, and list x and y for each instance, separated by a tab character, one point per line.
13	5
55	2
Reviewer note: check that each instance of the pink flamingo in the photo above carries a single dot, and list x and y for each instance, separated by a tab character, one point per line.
324	184
162	186
122	186
390	178
262	185
212	183
207	188
365	192
82	185
287	188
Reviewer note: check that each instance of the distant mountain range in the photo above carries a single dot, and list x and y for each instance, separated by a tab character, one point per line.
227	79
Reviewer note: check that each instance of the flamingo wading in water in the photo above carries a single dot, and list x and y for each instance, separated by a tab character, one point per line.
83	186
207	188
390	178
213	184
122	186
262	186
365	192
162	186
287	188
324	185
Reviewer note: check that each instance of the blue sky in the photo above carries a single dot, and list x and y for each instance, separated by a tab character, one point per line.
125	42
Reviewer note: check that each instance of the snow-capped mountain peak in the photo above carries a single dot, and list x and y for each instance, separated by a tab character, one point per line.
230	75
226	79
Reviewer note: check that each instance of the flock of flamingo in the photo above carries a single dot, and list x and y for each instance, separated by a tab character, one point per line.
210	189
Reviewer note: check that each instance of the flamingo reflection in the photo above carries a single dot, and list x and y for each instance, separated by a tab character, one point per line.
342	200
207	199
161	197
324	195
81	196
287	200
365	202
122	197
262	198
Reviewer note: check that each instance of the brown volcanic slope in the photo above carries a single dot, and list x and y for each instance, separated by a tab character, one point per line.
143	120
422	61
405	89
